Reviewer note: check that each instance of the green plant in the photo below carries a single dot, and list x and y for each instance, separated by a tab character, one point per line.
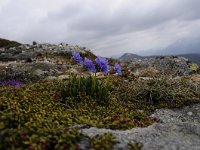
79	86
30	119
31	116
135	146
103	142
194	67
159	92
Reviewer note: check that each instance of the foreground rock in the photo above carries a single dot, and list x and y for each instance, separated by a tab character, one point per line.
177	129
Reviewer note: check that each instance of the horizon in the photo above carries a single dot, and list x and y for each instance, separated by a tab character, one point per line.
155	53
106	27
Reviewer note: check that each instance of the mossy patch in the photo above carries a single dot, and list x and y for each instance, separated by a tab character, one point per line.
32	116
103	142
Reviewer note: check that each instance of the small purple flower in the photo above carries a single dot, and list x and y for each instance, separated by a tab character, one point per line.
11	83
103	64
89	65
76	56
118	69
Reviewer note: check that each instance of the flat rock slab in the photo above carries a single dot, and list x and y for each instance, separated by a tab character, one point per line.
179	129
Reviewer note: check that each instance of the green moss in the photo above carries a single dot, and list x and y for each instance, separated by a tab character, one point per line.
159	92
103	142
33	115
194	67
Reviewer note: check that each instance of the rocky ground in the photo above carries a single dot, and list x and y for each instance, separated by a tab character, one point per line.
176	129
40	61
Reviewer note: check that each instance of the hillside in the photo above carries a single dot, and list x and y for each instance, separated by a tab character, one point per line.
7	43
60	96
131	57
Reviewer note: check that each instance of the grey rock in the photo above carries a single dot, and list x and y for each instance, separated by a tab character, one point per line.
189	113
174	132
145	78
63	47
165	65
40	72
63	77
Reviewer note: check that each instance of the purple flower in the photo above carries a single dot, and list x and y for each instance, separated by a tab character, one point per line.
118	69
76	56
103	64
11	83
89	65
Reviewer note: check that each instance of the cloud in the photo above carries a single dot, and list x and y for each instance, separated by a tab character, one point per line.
105	26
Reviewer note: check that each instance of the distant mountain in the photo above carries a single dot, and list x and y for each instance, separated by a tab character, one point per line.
183	46
7	44
129	57
192	57
187	47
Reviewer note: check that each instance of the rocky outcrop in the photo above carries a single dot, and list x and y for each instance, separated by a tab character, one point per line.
39	61
165	65
36	51
177	129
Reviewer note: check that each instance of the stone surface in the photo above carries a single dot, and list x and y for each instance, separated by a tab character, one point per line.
176	130
151	67
195	78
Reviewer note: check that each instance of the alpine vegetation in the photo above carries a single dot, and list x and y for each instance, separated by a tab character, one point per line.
68	97
97	90
76	56
102	64
11	83
89	65
118	69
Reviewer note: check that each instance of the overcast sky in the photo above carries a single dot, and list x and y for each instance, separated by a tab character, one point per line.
107	27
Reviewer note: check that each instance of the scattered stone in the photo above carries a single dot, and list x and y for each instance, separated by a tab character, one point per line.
145	78
195	78
49	78
63	77
190	113
40	72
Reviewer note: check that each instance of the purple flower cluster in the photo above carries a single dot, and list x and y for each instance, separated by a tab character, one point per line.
76	56
118	69
11	83
103	64
89	65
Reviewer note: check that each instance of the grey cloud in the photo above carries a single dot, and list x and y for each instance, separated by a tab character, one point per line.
106	26
101	22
